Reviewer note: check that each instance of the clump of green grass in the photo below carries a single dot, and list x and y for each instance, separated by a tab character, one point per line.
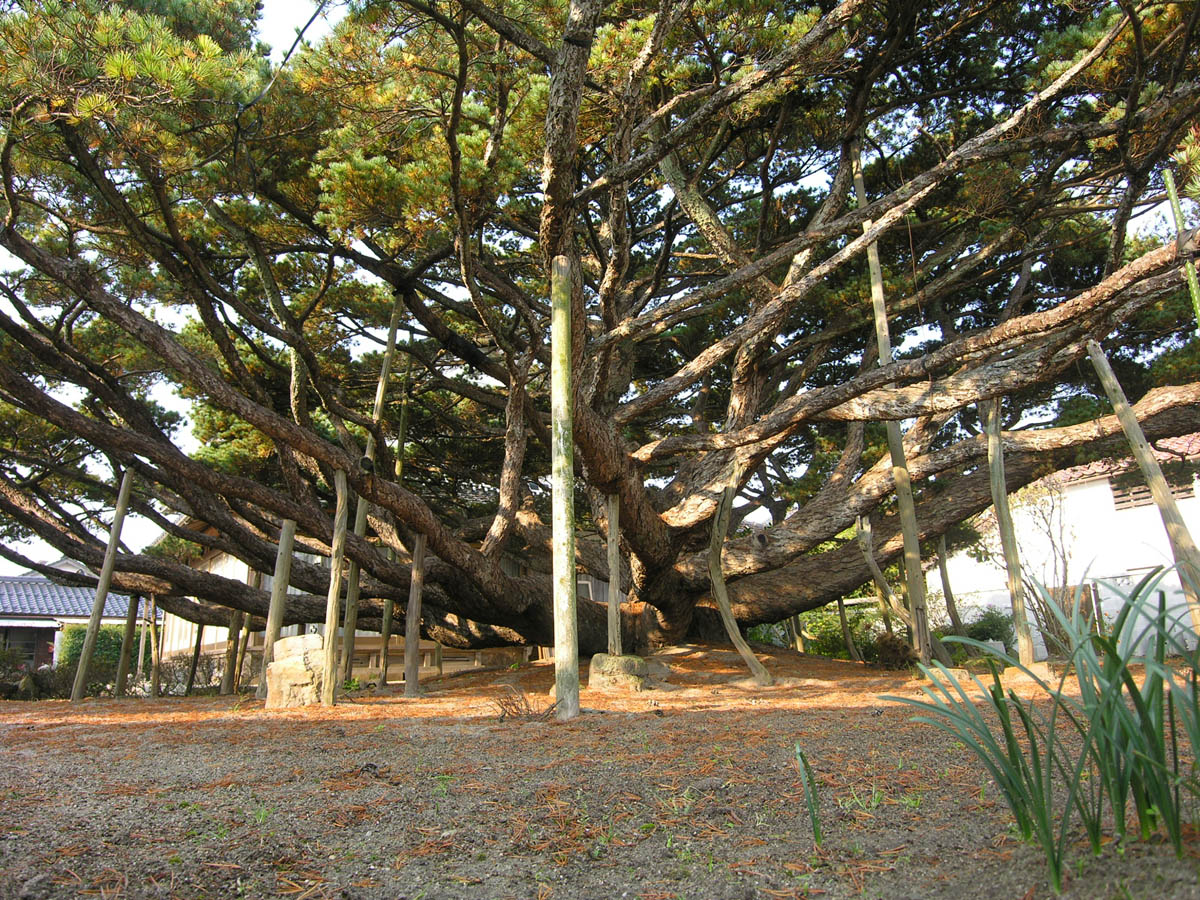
1131	763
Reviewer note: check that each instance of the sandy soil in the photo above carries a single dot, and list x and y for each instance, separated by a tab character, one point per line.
690	791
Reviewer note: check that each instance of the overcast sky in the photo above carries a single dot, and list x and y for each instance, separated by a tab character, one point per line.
281	18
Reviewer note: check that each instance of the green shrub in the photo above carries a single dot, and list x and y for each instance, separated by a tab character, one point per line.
992	625
825	629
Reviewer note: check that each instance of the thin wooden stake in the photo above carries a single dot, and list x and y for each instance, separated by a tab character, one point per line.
389	604
566	627
364	505
137	675
914	576
717	577
412	621
231	644
614	575
191	679
989	411
1183	548
102	586
337	556
951	605
155	650
1189	267
851	647
126	646
279	586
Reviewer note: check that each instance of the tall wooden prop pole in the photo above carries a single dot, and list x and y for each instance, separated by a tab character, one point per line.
126	645
1189	267
566	627
951	604
155	651
990	413
338	553
412	621
717	577
102	586
279	586
231	645
389	605
913	575
191	679
614	575
1183	548
364	505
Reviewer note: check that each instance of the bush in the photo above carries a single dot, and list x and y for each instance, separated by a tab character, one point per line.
826	631
105	659
992	625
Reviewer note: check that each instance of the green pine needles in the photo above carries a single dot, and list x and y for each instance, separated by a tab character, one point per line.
1119	756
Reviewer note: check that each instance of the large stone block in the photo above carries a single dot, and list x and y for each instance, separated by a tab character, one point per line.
628	672
297	673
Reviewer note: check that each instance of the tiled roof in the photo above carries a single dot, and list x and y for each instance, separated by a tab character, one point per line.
1174	449
32	595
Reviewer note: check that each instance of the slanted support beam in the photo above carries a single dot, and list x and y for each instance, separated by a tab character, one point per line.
102	585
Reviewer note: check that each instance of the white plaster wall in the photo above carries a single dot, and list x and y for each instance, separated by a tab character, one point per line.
1110	548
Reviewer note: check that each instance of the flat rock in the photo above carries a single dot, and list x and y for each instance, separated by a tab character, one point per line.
621	672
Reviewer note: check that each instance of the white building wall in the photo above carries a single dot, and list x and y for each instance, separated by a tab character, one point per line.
1109	548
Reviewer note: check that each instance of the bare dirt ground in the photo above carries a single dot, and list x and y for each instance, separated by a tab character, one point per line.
691	791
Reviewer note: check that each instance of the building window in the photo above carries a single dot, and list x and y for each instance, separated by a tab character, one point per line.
1128	493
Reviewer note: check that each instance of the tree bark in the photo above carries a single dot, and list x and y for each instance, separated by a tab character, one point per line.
566	628
279	589
338	552
1183	548
412	622
102	586
126	646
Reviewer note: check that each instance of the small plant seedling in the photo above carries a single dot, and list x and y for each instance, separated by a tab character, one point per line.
443	784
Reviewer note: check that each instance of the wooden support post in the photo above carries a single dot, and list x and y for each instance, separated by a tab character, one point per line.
102	586
412	621
914	576
562	453
614	575
155	651
851	647
137	675
989	412
231	643
364	505
1183	548
191	679
1189	267
337	556
279	586
951	605
717	577
126	646
389	605
243	644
